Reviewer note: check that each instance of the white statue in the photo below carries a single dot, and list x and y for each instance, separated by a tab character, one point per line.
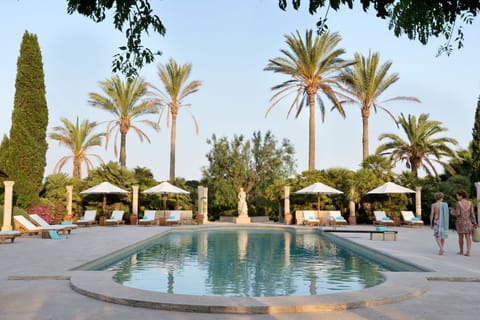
242	203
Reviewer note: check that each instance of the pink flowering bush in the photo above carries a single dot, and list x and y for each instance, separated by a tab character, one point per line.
43	211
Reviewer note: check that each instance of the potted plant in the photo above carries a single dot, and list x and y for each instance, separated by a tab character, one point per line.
288	218
133	219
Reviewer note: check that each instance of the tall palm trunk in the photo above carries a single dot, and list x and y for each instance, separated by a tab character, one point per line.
173	137
77	165
415	165
311	134
123	149
365	116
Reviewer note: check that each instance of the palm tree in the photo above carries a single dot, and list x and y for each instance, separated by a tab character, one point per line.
379	165
174	78
79	138
364	83
127	101
422	148
313	64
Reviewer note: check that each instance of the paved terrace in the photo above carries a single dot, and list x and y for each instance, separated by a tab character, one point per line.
34	279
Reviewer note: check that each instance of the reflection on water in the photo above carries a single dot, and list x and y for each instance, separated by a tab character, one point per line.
246	262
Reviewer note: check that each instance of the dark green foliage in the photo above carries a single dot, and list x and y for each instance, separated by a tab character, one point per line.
28	146
55	191
115	174
4	155
134	17
125	179
475	174
252	164
418	20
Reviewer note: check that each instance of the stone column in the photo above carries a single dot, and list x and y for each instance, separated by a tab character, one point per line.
7	206
418	202
69	200
477	186
286	191
135	200
202	213
205	204
352	218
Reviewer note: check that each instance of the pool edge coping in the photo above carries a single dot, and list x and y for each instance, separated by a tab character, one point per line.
398	286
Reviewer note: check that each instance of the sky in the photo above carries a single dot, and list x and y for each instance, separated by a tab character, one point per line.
229	43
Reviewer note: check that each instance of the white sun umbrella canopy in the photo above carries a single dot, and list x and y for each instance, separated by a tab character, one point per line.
104	188
390	187
166	188
318	188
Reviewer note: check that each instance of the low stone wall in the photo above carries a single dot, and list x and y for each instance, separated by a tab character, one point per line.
232	219
260	219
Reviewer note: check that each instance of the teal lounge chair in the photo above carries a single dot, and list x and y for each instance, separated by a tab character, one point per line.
55	236
382	219
116	218
336	218
88	218
148	218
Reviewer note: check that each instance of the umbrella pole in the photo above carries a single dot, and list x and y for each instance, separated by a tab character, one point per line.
104	203
164	204
390	203
318	207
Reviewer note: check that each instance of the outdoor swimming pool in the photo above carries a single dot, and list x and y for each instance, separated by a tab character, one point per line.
248	262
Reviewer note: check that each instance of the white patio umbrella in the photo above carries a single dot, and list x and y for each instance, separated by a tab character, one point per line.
104	188
389	188
318	188
165	188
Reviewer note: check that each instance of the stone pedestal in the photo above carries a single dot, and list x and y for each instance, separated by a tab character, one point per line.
286	191
69	200
7	206
242	219
418	202
202	214
135	200
352	220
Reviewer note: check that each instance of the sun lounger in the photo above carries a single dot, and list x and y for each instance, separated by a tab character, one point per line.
409	219
23	225
115	219
88	218
148	218
382	219
174	217
5	235
61	227
336	218
55	236
310	218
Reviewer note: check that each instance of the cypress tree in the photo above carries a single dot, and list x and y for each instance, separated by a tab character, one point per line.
28	145
475	175
3	153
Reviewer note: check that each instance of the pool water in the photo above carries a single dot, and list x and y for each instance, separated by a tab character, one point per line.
246	262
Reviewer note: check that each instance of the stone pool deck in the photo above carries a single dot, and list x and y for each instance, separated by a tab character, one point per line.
35	279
